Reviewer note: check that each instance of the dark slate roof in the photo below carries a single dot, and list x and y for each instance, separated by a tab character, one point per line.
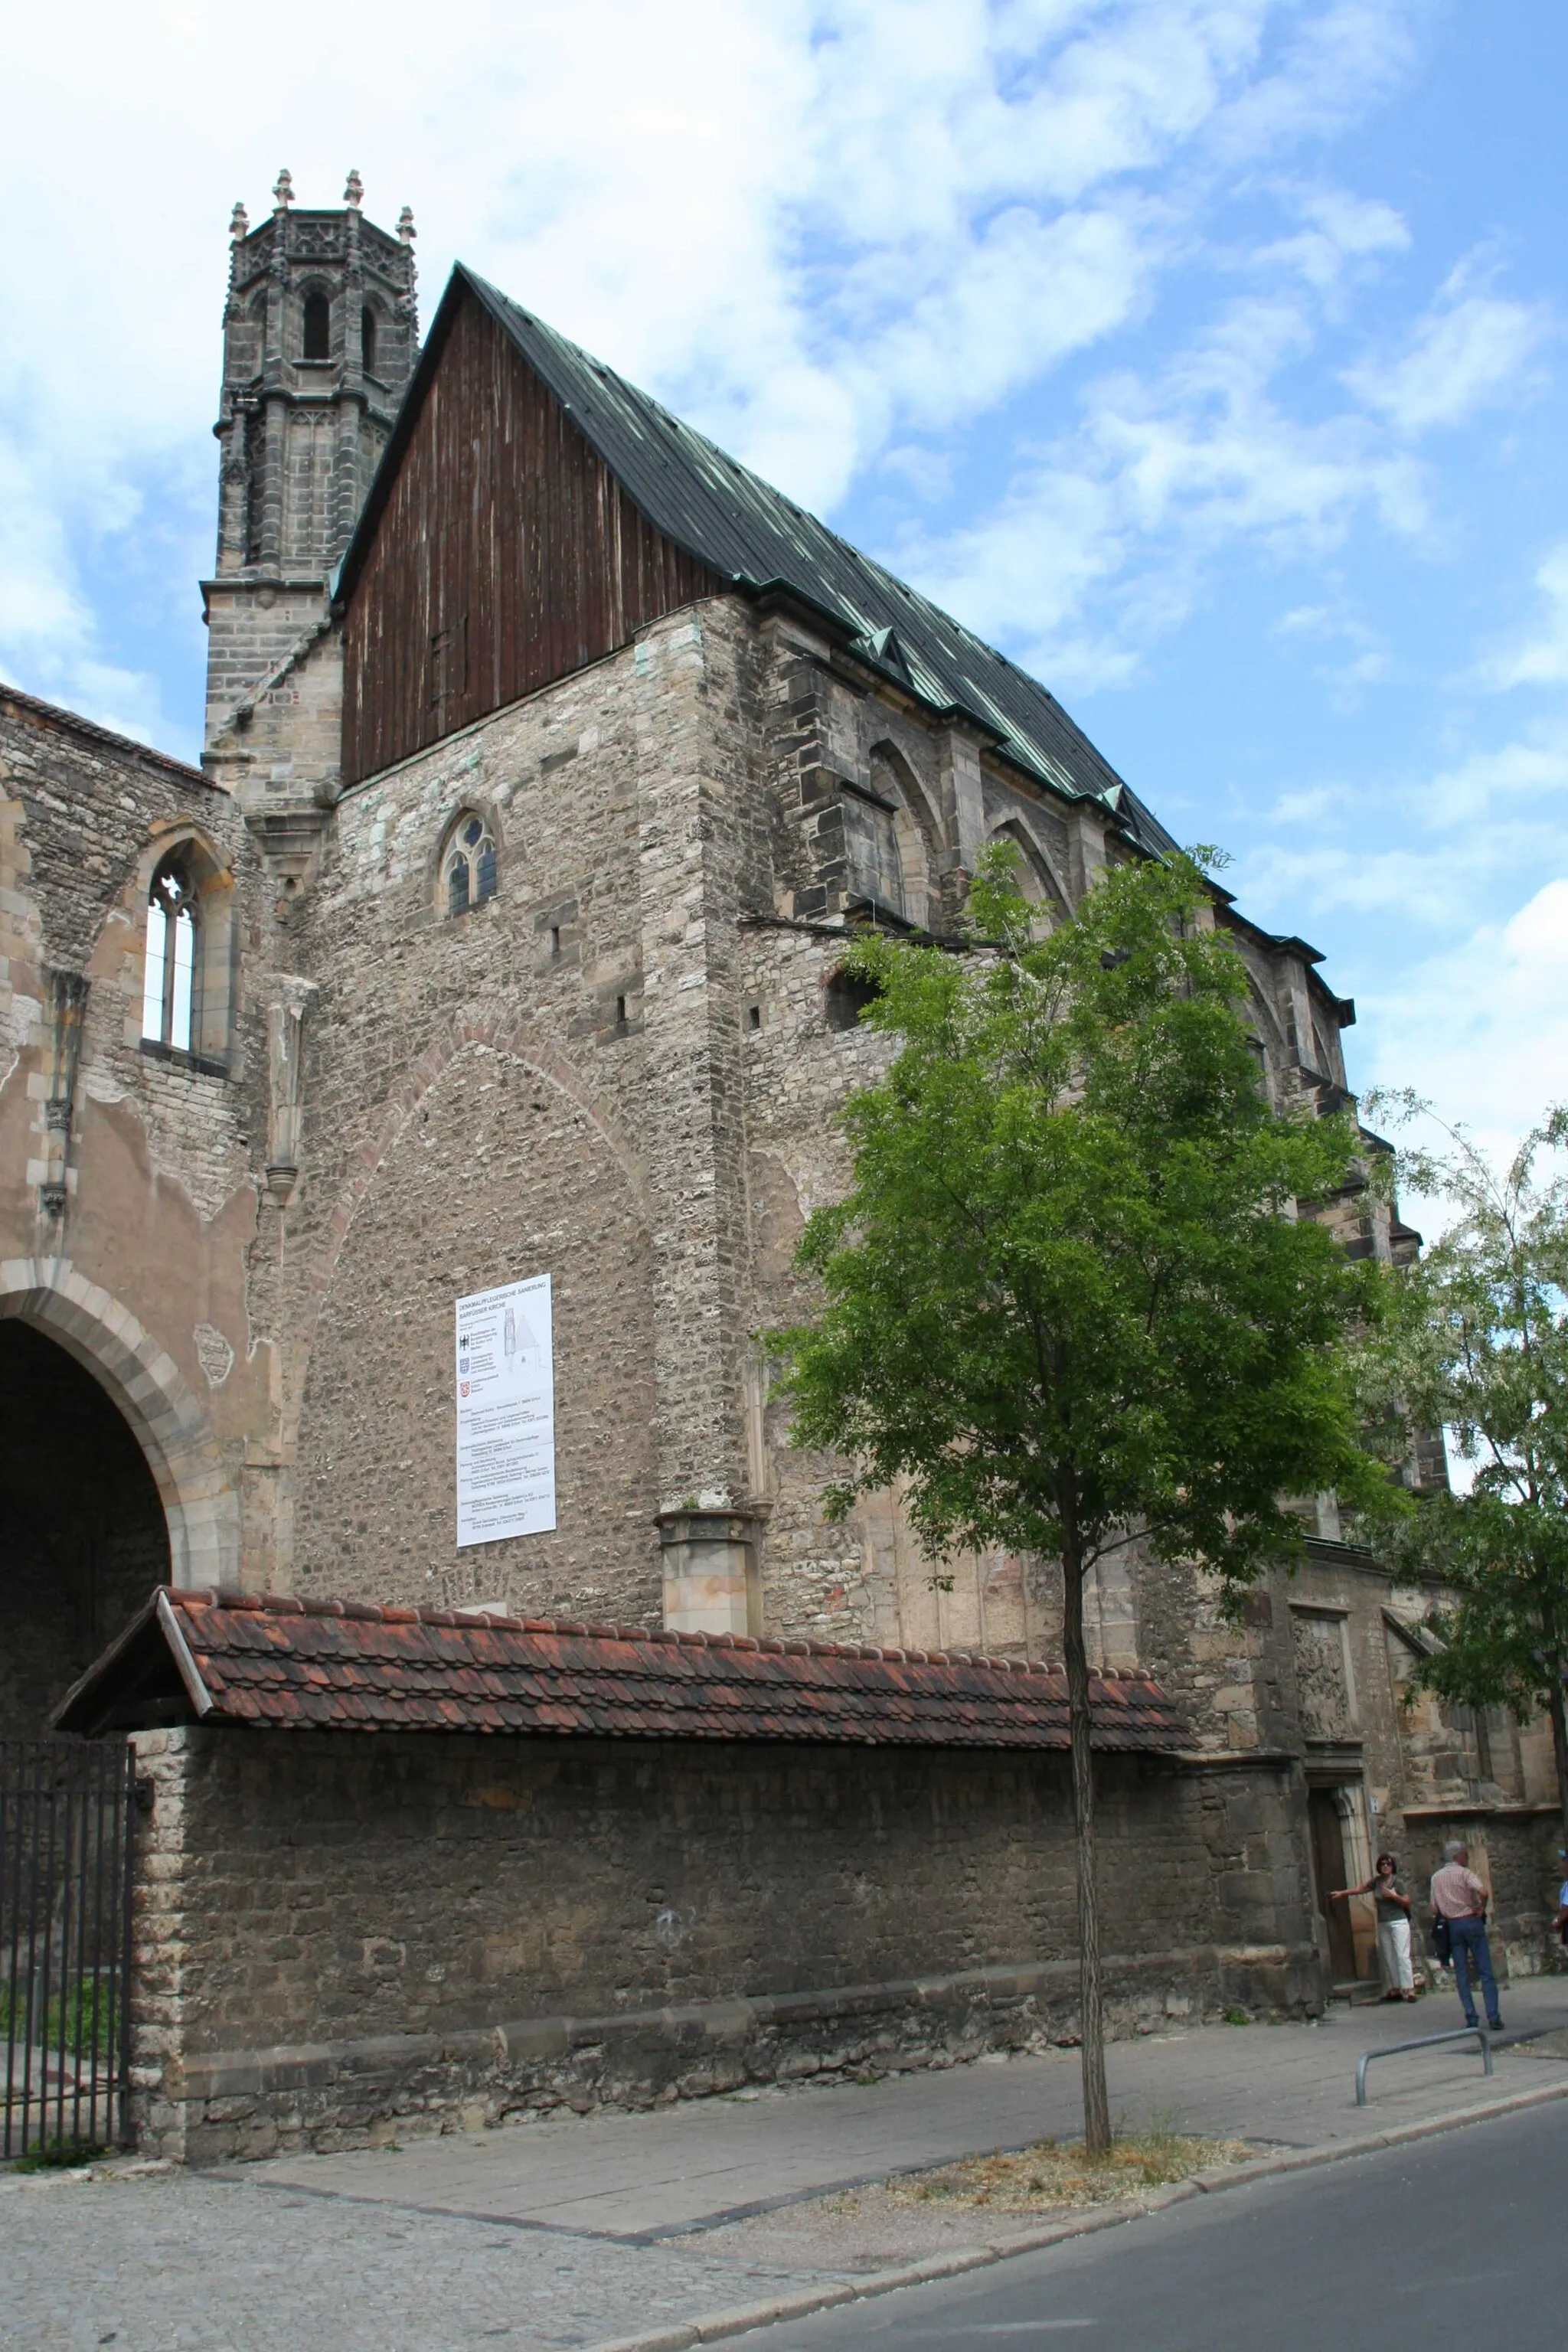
283	1662
747	532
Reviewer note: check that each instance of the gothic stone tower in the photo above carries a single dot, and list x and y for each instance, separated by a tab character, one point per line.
319	338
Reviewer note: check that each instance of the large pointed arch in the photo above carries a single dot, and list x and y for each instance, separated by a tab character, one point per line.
146	1385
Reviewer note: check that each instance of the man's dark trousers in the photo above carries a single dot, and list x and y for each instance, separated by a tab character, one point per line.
1467	1936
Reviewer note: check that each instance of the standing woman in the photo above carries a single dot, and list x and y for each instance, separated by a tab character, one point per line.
1393	1906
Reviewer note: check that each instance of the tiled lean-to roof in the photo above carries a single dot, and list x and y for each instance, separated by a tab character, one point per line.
743	529
284	1662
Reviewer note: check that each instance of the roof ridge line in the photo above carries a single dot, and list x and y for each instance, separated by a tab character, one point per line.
504	309
393	1613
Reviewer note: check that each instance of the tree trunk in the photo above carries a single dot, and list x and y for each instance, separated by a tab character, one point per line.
1096	2103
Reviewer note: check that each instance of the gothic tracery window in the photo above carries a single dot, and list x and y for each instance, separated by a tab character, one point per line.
169	977
470	866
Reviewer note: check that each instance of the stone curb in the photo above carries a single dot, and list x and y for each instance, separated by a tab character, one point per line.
716	2325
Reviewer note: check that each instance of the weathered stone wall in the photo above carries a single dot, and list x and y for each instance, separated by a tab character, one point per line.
525	1089
128	1232
1515	1851
275	683
340	1936
497	1171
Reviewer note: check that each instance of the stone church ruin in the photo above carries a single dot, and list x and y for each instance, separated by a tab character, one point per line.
552	759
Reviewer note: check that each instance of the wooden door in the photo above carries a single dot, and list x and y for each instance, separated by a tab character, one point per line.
1329	1872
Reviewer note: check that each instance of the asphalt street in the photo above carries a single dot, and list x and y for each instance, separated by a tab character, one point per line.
1456	2239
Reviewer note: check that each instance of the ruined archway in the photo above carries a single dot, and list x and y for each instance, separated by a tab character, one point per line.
83	1538
144	1388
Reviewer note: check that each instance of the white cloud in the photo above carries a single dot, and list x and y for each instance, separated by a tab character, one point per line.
1340	229
1463	832
1161	477
928	472
1542	657
1331	62
1010	302
1470	352
1491	787
1482	1029
816	225
1360	660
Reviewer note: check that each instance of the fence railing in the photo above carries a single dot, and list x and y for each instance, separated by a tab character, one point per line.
1477	2034
65	1940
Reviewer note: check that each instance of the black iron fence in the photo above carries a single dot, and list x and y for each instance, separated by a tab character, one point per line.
65	1942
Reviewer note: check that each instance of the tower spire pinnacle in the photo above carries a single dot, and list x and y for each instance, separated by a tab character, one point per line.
319	338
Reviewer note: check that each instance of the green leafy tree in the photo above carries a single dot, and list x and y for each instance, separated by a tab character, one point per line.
1476	1343
1066	1299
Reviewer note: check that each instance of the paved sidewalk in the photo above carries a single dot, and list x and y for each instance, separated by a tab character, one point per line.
633	2178
567	2233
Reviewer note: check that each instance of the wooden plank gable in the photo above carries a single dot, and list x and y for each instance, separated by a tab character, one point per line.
506	555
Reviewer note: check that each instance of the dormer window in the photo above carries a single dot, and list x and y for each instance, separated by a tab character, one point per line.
317	343
470	866
169	978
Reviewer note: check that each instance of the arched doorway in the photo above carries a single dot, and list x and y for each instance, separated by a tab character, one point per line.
83	1538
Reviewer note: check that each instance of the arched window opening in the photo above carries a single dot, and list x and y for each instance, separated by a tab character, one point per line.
846	998
367	340
169	980
317	327
470	866
876	873
1045	907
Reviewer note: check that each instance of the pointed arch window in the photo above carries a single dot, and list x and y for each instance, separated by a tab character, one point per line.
367	340
471	869
317	341
169	1006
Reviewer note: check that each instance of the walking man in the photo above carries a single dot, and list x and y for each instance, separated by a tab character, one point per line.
1458	1896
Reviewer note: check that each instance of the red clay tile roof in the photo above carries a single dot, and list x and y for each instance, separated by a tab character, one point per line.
349	1665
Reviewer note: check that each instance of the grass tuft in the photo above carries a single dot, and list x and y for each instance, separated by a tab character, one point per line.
62	2157
1049	2177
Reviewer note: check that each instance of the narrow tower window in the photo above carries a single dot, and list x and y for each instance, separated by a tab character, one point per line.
470	866
317	327
367	340
169	983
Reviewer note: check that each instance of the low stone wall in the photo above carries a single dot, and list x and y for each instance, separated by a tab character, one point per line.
344	1937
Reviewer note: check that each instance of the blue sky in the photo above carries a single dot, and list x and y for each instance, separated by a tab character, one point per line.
1207	354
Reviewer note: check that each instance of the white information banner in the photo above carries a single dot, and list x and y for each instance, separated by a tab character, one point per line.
506	1414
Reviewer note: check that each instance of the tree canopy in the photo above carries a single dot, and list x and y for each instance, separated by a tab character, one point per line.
1068	1289
1476	1343
1070	1298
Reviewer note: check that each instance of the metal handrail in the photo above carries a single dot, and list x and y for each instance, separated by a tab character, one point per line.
1427	2042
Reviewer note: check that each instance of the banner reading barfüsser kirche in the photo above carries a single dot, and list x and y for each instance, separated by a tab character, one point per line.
506	1413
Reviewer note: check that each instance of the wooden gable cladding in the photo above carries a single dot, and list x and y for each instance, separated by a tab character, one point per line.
506	555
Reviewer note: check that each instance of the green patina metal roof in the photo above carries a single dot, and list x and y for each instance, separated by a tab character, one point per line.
744	531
